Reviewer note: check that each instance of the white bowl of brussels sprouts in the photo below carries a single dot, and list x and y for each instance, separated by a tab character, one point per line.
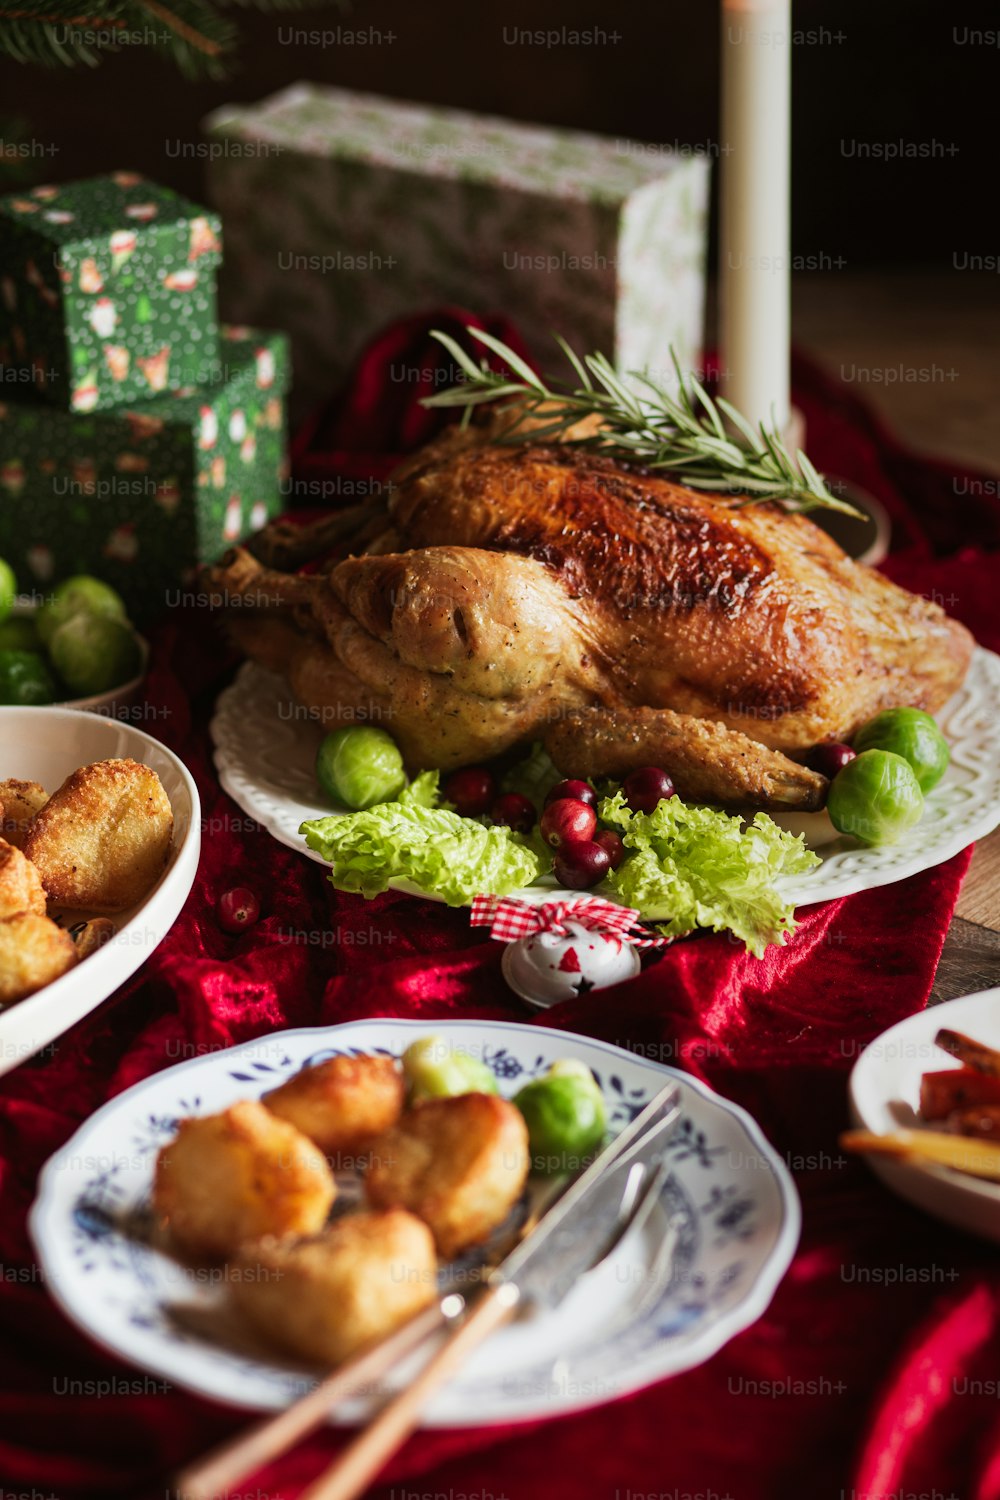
74	648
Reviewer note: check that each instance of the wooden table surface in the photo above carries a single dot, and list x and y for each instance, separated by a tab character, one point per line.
948	323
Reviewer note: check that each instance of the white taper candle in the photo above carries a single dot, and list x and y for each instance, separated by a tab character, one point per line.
754	218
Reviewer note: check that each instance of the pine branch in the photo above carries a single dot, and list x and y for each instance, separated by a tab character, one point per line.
186	34
684	434
194	34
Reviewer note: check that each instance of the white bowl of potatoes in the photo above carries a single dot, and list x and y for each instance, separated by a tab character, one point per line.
100	832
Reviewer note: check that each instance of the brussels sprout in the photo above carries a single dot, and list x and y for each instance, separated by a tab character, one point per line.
911	733
360	766
8	589
81	594
94	653
564	1112
25	679
875	798
434	1070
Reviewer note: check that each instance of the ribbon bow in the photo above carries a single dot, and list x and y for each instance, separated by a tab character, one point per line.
509	918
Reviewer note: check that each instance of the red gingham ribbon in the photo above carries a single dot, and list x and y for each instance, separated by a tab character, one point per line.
509	918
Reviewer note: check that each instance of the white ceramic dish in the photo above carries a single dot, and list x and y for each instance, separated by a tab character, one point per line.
633	1321
46	745
867	540
885	1094
269	772
116	701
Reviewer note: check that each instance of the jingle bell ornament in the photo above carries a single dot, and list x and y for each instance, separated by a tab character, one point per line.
550	966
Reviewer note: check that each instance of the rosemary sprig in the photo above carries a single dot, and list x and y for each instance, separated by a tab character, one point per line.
683	434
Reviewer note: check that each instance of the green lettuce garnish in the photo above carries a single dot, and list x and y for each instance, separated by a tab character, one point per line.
685	865
422	791
691	866
446	855
532	776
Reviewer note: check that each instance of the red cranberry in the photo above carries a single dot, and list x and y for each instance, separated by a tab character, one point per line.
646	788
830	758
237	909
569	818
611	843
581	863
471	790
514	811
580	791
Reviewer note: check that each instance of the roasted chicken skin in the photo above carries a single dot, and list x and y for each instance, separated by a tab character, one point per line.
706	761
508	589
739	613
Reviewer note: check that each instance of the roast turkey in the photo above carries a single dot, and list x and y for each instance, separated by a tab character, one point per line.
506	594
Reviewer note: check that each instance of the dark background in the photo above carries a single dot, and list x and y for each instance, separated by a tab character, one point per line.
879	71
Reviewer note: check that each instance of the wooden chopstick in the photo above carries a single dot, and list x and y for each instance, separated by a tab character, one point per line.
362	1459
216	1473
213	1477
359	1463
963	1153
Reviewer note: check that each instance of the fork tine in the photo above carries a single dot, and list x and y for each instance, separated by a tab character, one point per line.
639	1211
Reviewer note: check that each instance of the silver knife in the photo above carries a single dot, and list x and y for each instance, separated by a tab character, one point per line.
581	1228
574	1235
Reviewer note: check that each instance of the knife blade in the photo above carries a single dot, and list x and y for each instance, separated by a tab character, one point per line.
574	1235
583	1225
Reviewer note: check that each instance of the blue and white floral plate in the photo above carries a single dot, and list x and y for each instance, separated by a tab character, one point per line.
637	1318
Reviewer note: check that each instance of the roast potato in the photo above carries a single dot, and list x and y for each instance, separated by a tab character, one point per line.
20	884
20	800
324	1298
237	1176
33	952
459	1164
102	840
342	1104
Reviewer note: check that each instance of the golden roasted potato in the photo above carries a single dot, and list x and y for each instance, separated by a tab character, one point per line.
342	1104
20	801
324	1298
20	884
33	952
102	840
237	1176
459	1164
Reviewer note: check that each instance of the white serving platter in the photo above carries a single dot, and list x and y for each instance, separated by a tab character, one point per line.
266	743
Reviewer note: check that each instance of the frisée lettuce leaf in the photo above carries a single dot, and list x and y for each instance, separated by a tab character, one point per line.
692	866
444	854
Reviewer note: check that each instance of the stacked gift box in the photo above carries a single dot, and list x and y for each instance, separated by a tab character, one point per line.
345	211
138	437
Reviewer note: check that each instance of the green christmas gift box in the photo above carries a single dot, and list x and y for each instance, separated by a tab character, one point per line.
346	210
141	495
107	292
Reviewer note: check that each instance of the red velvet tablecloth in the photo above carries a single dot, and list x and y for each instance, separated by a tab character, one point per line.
874	1373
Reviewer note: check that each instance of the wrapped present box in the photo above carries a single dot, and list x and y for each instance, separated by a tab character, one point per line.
107	292
344	211
141	495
